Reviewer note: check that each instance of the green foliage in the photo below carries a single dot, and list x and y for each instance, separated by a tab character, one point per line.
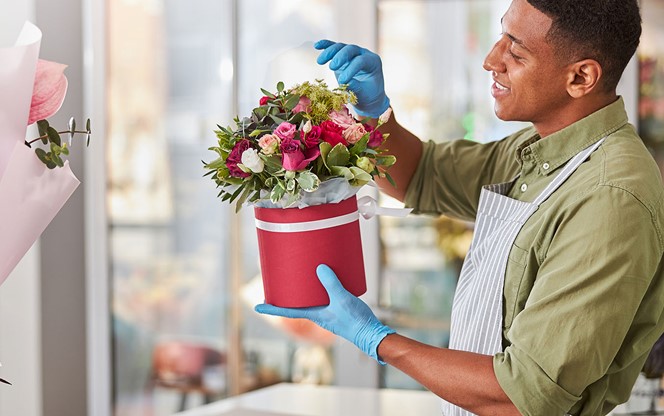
56	147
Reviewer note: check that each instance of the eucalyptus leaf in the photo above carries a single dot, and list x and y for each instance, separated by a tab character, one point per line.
41	154
42	126
58	160
277	120
291	101
267	93
72	128
280	86
53	136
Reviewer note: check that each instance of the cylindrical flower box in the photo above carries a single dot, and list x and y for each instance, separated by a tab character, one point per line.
293	241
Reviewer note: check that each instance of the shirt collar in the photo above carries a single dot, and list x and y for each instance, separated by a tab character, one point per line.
558	148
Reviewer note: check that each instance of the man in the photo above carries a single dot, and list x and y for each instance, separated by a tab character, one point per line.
561	296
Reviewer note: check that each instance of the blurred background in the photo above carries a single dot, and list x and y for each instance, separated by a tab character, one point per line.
138	299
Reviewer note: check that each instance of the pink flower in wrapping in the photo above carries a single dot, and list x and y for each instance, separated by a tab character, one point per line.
332	133
375	138
298	160
312	138
342	118
263	100
285	130
235	157
354	133
49	90
304	105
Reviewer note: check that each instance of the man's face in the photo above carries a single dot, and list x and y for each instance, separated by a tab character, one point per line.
529	82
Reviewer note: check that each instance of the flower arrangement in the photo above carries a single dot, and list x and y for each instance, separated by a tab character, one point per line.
49	91
292	142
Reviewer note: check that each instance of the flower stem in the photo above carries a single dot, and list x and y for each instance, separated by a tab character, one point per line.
46	135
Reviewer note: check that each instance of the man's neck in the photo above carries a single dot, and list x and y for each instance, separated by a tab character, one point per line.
577	110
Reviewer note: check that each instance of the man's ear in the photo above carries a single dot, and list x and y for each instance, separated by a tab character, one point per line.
584	76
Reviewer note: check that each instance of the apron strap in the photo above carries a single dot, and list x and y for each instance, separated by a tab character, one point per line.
567	171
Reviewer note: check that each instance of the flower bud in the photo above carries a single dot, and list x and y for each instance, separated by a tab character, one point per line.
365	164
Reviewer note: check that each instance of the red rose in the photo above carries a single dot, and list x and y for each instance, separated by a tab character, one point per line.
235	157
263	100
332	133
312	138
375	137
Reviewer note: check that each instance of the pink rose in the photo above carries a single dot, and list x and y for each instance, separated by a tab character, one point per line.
269	143
263	100
342	118
312	138
292	155
297	160
375	138
304	105
285	130
235	157
332	133
354	133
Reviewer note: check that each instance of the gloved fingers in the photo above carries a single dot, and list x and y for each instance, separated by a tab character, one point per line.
330	281
268	309
363	63
345	55
323	44
329	53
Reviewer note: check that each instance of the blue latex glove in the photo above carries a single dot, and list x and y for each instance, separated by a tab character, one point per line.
362	70
346	315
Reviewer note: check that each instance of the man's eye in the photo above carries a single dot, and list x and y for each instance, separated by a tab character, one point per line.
517	57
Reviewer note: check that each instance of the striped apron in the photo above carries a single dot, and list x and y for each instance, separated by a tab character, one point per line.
477	311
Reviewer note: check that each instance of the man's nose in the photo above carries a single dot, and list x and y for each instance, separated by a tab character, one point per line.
494	60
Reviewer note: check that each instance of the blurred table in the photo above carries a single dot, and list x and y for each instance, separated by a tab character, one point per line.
305	400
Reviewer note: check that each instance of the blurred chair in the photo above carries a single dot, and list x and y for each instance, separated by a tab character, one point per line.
188	367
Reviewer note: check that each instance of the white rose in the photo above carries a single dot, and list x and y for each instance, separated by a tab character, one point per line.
252	161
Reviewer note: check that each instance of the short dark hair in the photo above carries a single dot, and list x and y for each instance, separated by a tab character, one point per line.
607	31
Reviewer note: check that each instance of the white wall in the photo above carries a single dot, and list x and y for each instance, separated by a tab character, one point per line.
20	312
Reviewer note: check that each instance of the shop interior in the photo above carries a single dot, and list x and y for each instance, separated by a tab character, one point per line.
138	299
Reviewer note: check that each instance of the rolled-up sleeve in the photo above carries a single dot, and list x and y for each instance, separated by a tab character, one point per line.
586	301
529	387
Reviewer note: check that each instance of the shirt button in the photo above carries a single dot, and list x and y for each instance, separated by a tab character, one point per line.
524	187
545	166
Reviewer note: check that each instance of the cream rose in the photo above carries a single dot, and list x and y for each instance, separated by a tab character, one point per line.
354	133
269	144
252	161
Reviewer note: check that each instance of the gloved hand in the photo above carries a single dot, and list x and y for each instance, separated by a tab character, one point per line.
346	315
362	70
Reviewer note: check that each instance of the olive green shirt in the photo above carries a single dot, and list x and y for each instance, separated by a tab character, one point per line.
584	291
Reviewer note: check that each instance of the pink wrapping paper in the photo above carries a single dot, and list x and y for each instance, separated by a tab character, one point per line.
30	193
